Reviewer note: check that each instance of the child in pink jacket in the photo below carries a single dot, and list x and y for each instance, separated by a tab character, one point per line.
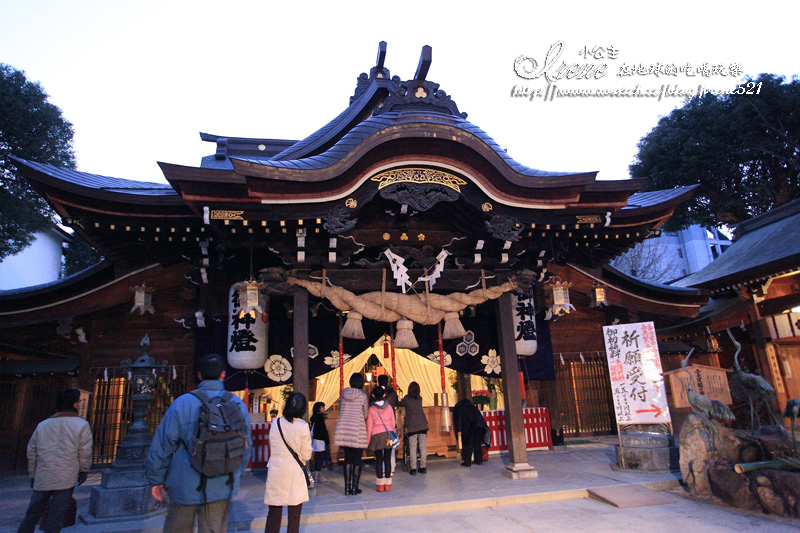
380	421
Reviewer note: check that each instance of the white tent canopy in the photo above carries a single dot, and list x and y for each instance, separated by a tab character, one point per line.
409	365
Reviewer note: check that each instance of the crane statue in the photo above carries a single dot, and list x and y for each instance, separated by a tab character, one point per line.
710	408
753	385
791	411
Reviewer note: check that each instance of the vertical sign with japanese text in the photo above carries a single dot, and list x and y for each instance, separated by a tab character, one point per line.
247	335
525	323
634	366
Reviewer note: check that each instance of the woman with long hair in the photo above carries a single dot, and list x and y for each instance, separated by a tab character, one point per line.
351	432
416	429
286	481
380	421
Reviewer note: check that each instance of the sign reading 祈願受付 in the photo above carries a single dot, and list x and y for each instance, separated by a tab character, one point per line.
634	365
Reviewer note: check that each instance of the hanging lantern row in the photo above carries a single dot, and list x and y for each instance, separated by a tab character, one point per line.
143	299
558	294
712	344
249	297
598	296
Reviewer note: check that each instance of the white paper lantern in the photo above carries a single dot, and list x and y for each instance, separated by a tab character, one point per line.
247	331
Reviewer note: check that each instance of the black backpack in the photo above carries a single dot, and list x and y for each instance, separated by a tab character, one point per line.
220	438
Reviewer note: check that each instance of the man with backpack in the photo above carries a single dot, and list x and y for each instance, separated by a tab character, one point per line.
199	452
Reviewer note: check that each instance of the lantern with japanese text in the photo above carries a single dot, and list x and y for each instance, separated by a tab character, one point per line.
248	320
525	322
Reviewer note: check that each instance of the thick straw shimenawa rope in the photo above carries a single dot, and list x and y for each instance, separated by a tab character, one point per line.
391	307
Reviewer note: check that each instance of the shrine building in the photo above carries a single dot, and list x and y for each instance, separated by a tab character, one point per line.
397	225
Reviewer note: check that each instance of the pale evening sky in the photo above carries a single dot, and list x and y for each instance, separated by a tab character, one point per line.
139	80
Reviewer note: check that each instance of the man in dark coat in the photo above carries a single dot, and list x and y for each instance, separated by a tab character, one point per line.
468	421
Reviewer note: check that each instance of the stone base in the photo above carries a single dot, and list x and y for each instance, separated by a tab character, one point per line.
520	471
647	452
122	503
649	459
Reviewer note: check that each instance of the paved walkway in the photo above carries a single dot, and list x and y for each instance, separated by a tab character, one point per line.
566	495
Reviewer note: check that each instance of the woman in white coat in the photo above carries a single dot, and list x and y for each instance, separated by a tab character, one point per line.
286	481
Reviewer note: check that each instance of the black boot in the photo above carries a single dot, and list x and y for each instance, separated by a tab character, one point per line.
356	478
348	479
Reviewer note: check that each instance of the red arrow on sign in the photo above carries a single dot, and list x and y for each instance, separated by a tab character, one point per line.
655	409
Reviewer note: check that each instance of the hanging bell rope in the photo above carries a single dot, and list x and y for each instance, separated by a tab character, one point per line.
341	357
391	341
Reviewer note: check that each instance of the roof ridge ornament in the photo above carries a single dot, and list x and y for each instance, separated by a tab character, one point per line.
419	93
376	72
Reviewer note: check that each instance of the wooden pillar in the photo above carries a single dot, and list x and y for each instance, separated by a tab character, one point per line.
300	341
518	466
23	396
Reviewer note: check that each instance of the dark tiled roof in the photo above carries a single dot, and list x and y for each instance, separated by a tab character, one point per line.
334	127
211	161
654	198
717	310
102	183
375	125
764	246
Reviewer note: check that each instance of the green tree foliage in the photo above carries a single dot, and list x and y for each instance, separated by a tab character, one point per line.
79	255
30	128
743	150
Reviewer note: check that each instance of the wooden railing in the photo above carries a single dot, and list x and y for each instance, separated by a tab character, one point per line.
537	428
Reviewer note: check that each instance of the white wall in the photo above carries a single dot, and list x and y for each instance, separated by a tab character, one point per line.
37	264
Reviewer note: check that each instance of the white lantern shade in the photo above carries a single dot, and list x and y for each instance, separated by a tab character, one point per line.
247	331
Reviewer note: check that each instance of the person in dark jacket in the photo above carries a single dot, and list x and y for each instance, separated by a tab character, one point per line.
390	397
469	422
416	429
319	433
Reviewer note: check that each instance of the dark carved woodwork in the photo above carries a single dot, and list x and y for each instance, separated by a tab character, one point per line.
419	94
419	196
504	228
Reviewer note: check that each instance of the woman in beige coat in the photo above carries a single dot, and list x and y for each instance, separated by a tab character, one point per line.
286	481
351	432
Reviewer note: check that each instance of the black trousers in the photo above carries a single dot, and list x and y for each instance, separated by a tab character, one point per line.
59	501
471	447
383	463
274	518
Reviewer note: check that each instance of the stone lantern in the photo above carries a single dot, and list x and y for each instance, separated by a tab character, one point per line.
124	491
142	376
